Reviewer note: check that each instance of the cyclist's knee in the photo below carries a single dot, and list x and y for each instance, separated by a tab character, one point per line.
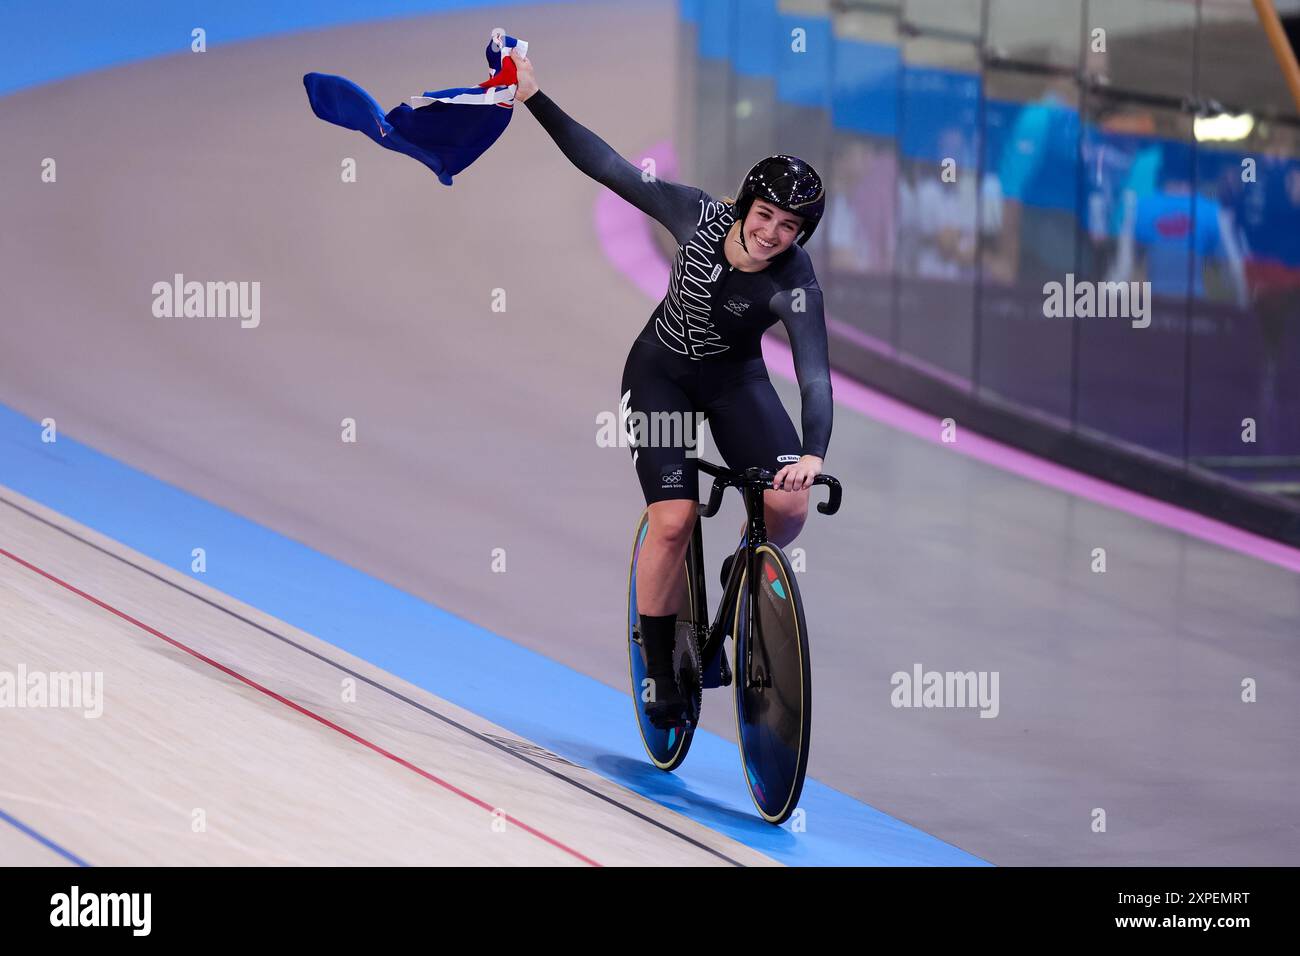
673	521
785	513
791	506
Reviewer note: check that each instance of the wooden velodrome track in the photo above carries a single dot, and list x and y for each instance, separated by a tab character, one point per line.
477	432
228	737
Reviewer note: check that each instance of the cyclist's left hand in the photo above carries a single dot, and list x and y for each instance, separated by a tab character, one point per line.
798	476
527	81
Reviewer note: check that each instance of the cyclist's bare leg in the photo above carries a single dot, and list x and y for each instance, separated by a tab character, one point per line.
784	513
659	576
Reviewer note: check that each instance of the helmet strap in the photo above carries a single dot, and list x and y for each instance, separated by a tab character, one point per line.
741	220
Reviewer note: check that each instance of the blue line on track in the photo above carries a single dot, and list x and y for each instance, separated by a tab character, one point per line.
43	840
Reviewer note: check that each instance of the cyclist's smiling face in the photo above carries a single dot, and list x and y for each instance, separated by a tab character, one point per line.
769	231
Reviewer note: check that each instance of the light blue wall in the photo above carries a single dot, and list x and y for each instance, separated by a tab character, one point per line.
46	40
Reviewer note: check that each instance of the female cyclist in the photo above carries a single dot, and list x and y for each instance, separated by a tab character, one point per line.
737	271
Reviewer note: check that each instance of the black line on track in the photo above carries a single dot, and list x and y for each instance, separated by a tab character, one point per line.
483	738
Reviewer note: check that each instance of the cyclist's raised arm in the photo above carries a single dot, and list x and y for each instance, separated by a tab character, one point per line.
800	310
675	206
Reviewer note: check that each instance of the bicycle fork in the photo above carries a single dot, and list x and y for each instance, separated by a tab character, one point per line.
756	534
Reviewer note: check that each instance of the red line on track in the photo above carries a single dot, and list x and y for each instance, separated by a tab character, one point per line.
299	708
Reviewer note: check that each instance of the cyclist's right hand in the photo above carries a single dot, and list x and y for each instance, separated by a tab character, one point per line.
527	82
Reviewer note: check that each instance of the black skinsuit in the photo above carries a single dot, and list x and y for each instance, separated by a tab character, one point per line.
700	351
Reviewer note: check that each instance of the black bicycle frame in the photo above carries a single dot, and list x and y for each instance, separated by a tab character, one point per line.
752	483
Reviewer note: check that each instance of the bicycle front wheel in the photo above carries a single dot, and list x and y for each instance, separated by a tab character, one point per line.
773	686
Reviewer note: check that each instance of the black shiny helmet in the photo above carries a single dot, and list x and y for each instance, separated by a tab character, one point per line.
787	183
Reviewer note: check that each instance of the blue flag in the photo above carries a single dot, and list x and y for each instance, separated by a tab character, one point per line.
445	129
